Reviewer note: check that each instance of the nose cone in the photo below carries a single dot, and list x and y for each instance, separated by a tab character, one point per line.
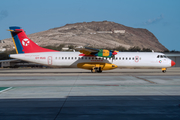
172	63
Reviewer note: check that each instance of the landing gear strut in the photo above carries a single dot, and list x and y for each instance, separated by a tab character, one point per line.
96	69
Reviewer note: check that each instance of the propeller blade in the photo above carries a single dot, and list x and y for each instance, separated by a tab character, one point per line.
113	57
114	53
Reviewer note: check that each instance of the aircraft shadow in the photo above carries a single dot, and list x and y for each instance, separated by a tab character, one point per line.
92	107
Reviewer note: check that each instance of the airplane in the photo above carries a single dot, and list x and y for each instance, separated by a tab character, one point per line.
96	60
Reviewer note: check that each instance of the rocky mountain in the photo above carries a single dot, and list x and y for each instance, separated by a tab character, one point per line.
96	34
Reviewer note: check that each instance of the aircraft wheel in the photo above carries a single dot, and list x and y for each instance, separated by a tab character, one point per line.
163	70
100	71
94	70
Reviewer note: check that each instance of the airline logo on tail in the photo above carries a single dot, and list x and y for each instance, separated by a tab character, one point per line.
25	42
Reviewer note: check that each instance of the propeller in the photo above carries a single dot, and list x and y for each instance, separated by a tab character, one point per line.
113	54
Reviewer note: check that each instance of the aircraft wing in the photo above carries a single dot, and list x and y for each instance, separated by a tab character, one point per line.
88	51
97	52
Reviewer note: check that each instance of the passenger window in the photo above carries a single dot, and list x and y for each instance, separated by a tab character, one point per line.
129	58
75	57
161	56
116	58
119	58
158	56
126	58
65	57
56	57
139	58
59	57
68	57
132	58
122	58
62	57
136	58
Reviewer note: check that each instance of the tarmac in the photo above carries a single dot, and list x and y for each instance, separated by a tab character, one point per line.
66	94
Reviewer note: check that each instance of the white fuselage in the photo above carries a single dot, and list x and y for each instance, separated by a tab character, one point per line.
122	59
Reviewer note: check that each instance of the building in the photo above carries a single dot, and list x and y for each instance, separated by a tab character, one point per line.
15	63
104	32
119	31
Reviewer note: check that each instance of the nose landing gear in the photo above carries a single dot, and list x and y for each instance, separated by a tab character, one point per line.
163	70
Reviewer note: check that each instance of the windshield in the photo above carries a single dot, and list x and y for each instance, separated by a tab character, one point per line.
162	56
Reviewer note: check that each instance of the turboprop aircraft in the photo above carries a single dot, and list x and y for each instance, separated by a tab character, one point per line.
96	60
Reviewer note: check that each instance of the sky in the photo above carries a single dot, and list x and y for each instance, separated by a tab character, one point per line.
161	17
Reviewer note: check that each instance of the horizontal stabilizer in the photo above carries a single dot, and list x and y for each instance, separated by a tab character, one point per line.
15	30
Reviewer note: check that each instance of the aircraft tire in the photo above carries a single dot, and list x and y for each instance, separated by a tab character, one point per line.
94	70
99	70
164	71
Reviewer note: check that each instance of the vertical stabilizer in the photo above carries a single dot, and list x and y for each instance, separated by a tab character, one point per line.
23	44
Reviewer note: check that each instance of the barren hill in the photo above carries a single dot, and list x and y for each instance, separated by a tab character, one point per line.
97	34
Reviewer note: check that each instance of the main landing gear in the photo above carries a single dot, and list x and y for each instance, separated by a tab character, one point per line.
96	69
163	70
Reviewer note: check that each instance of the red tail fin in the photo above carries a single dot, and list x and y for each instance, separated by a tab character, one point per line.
23	44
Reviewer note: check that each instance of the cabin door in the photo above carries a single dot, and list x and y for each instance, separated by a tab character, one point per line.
49	60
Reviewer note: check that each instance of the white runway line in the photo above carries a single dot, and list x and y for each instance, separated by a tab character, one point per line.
5	89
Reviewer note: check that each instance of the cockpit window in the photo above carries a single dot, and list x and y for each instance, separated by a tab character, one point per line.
162	56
